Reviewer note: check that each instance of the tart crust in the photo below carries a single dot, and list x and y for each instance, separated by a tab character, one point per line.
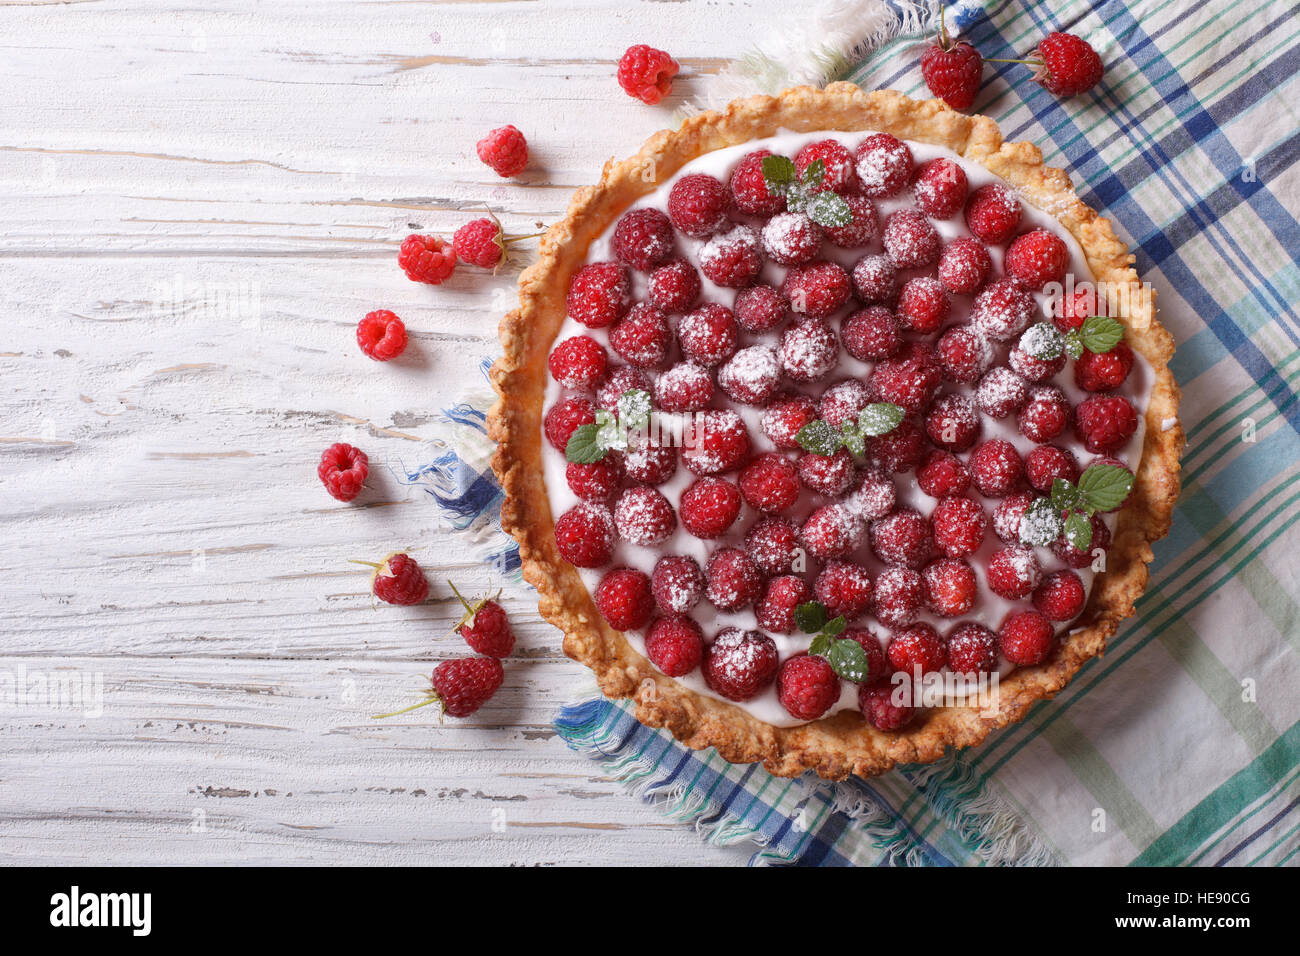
842	744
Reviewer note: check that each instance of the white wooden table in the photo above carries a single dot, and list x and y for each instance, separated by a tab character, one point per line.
198	204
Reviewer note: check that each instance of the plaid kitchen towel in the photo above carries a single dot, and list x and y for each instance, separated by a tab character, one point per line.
1182	745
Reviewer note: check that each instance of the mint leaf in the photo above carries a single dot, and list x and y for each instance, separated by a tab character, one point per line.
585	446
1078	530
634	408
835	626
1100	334
879	418
814	173
828	209
1065	497
852	438
819	437
1073	345
1105	487
1042	341
810	617
778	173
848	660
1041	524
608	431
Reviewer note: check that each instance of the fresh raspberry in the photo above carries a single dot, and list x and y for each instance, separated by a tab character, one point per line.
759	308
1029	366
940	188
844	401
877	667
996	468
1008	515
1014	572
903	539
381	335
827	475
599	294
949	586
807	687
479	242
594	482
884	166
398	580
1002	310
1070	313
972	649
959	526
739	664
863	227
343	470
1060	597
733	258
1104	371
646	74
426	259
910	239
674	286
845	588
677	584
732	580
708	335
878	708
1070	64
901	450
775	609
565	417
871	334
964	264
923	305
809	350
751	376
485	627
709	506
650	463
1001	392
791	238
1045	415
953	72
585	535
749	190
1075	557
837	161
773	544
620	380
578	362
697	205
1105	423
674	645
1026	638
873	496
624	600
832	531
817	289
1046	463
943	474
964	354
993	213
686	387
953	423
643	516
1036	258
898	596
916	646
643	238
785	416
464	685
770	483
875	279
910	378
719	442
505	150
642	337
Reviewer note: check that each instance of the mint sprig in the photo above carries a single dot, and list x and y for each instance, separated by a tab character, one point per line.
822	438
805	193
1071	506
1098	334
591	442
846	656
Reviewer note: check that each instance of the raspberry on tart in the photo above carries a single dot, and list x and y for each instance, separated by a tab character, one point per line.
871	334
775	609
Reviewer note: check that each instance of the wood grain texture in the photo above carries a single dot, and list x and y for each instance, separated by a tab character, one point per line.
197	203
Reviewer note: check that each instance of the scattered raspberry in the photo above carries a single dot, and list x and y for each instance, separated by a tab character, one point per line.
877	668
953	72
901	450
1105	371
1002	310
643	516
993	213
838	162
910	378
845	588
686	387
485	627
964	354
646	74
759	308
751	376
565	417
343	470
1070	64
1045	415
1046	463
650	462
791	238
749	190
832	531
733	258
642	337
1077	558
863	227
827	475
959	525
952	423
844	401
910	239
479	242
620	380
697	205
505	150
675	645
807	687
464	685
1001	393
584	535
578	362
964	264
972	649
884	166
739	664
770	483
674	286
594	482
1060	597
916	646
1025	638
1036	258
677	584
398	580
898	596
949	586
719	443
871	334
709	506
643	238
903	539
996	468
784	416
1014	572
708	335
878	708
773	544
732	580
1029	366
943	474
599	294
940	188
1008	515
775	609
874	495
426	259
875	279
816	290
809	350
1105	423
624	600
923	305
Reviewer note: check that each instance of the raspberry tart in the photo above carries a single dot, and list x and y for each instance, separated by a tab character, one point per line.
818	402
